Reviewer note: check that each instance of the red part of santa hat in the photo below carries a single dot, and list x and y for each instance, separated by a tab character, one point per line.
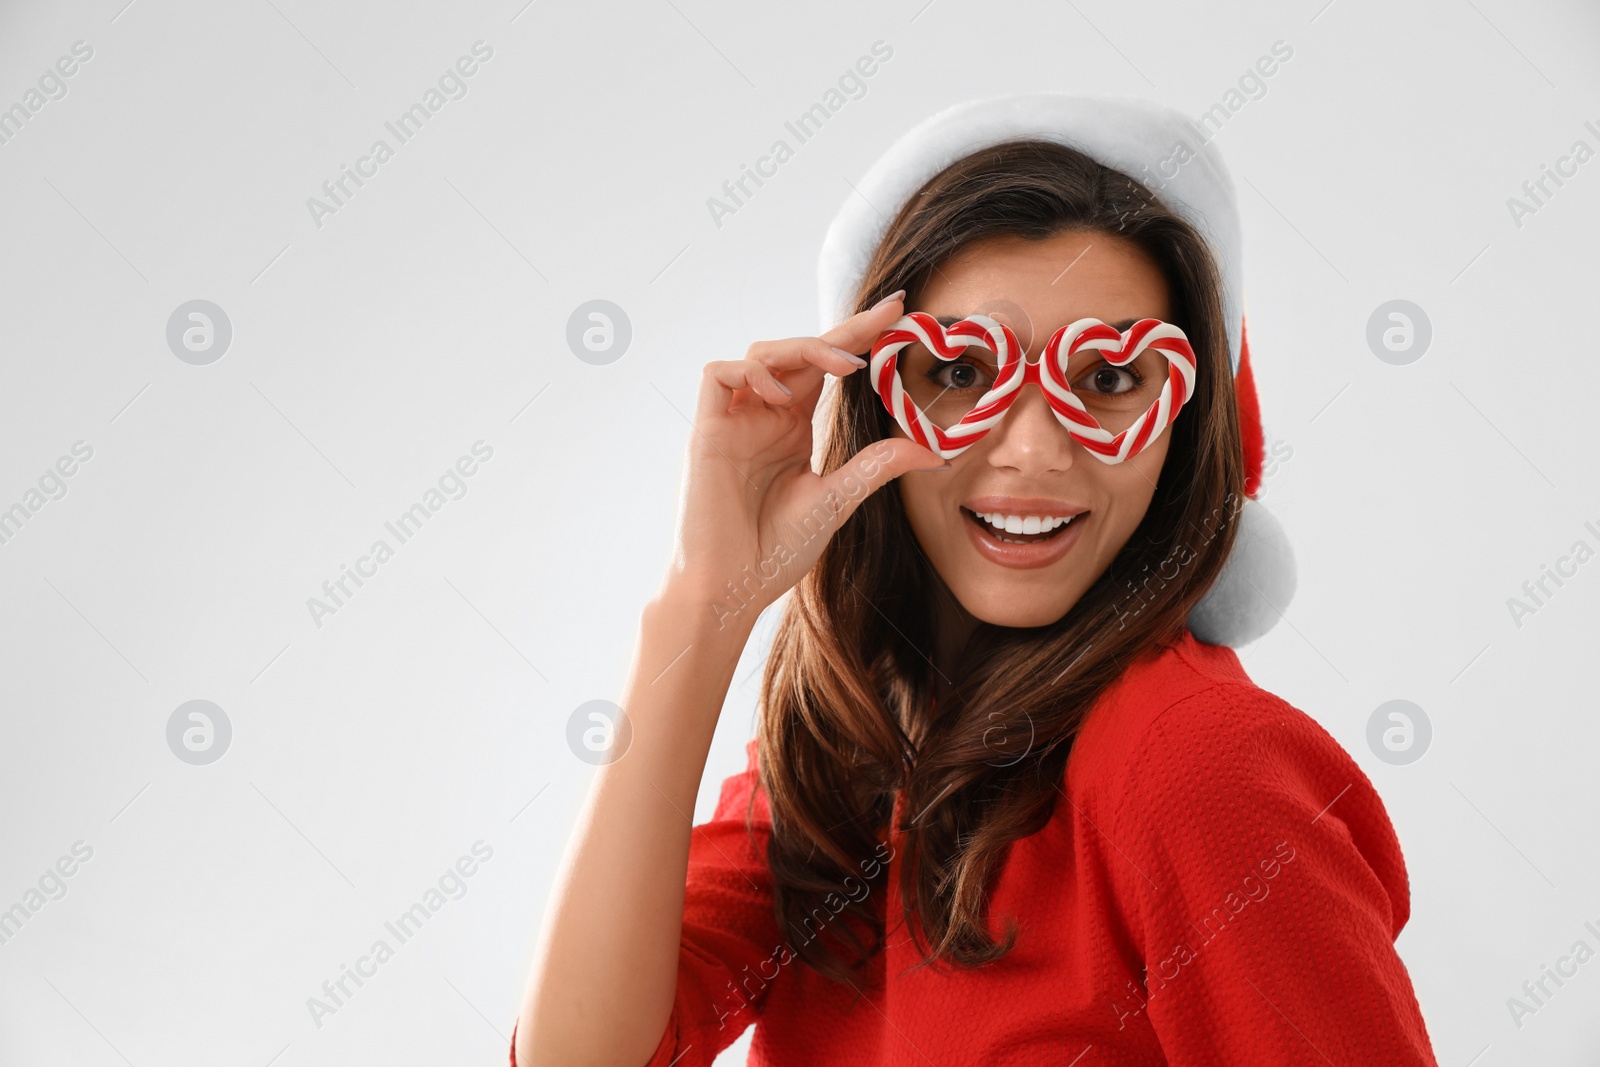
1244	391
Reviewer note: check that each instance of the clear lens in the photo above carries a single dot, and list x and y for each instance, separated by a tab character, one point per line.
1117	396
946	390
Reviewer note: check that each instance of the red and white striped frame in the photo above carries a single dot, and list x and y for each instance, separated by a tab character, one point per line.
1116	347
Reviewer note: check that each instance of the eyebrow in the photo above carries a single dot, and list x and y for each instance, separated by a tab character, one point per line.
951	320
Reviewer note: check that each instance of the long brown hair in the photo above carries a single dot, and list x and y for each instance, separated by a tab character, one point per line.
846	716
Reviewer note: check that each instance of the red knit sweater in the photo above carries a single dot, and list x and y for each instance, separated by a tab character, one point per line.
1220	885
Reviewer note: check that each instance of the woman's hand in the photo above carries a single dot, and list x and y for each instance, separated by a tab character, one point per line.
753	514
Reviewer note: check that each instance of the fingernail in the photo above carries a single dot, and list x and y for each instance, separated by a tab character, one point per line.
785	388
896	295
851	356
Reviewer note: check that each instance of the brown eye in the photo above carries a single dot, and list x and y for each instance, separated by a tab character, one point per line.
959	375
1112	380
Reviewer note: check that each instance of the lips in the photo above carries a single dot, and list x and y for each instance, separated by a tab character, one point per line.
1023	532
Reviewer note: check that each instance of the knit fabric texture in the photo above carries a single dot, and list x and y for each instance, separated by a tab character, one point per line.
1220	884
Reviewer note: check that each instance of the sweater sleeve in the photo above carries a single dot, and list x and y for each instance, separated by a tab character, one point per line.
728	926
1266	888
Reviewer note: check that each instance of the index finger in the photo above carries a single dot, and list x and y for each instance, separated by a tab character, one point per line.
857	333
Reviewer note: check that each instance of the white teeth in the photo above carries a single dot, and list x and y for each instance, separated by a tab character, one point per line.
1024	524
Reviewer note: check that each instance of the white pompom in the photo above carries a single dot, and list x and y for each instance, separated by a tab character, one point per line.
1255	586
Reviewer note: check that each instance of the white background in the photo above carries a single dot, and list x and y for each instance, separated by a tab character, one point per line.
371	752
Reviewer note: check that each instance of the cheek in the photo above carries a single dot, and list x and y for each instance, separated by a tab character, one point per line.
923	499
930	501
1132	485
919	494
917	499
1145	468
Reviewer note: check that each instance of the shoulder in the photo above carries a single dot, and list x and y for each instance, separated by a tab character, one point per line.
1226	751
1219	773
1199	687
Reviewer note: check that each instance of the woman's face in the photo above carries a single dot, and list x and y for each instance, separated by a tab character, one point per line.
1027	466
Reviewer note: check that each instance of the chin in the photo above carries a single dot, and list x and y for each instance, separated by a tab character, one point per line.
1011	607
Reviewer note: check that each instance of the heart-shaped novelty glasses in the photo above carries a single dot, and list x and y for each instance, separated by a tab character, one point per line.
953	383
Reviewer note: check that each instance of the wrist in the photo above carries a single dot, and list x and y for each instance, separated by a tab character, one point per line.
699	611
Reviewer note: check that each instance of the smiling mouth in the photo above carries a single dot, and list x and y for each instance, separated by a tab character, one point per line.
1021	530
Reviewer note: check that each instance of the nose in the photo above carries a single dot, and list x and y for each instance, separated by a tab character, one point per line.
1028	438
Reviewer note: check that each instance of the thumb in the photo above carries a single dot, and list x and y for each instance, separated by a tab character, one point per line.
876	466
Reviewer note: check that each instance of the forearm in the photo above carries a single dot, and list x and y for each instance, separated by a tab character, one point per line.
605	971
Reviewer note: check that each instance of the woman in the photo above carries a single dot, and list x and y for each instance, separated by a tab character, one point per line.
1004	807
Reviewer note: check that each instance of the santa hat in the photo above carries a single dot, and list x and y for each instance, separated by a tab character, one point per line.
1171	156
